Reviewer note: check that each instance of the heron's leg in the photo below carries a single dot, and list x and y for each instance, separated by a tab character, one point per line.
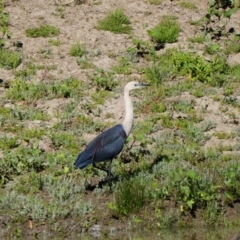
103	169
108	171
110	175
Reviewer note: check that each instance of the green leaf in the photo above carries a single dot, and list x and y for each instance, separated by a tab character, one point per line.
190	203
192	174
214	47
229	12
185	190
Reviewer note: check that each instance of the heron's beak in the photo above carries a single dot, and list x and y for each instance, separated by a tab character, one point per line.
143	85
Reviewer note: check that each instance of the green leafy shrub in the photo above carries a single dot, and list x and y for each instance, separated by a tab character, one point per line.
166	31
22	160
9	59
43	31
195	66
116	22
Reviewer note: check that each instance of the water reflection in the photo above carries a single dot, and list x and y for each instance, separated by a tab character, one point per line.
95	232
217	233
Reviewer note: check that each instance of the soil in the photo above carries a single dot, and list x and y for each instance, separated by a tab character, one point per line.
79	25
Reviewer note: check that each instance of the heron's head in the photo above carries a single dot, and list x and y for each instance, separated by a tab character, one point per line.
135	85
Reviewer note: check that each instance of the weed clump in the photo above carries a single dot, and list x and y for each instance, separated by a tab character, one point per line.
43	31
167	31
129	198
20	90
188	5
9	59
116	22
196	67
155	2
232	46
77	50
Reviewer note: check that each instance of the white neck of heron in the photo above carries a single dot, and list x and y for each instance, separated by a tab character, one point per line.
128	120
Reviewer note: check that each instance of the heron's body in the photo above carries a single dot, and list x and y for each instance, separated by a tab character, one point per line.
105	146
109	143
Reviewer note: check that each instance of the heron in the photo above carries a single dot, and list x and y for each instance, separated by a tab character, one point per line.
108	144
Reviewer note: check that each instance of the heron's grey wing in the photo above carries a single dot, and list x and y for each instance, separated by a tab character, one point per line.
109	151
105	146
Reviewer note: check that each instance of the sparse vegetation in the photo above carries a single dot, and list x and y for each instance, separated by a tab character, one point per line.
54	42
232	46
9	59
43	31
180	165
116	21
77	50
166	31
155	2
200	38
188	5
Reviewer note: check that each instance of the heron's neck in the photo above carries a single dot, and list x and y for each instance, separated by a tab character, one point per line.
128	120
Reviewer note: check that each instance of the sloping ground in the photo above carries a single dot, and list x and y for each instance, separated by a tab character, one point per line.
184	150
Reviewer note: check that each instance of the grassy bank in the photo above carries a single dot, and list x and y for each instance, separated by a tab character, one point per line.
180	166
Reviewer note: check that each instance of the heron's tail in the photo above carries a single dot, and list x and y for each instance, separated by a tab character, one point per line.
81	161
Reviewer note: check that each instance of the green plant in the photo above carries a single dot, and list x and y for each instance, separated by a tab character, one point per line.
77	50
54	42
124	67
4	23
129	197
155	2
232	46
194	65
141	48
9	59
200	38
100	96
27	71
166	31
20	90
66	140
103	80
212	48
219	14
43	31
154	74
116	21
60	12
188	5
85	64
8	143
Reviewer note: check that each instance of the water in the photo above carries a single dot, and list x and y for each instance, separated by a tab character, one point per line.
95	232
